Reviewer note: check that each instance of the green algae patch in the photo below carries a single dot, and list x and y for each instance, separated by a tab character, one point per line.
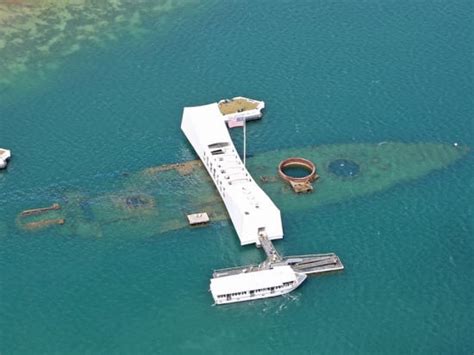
157	199
33	34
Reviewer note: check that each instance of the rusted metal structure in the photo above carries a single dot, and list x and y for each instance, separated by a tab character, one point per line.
299	184
36	211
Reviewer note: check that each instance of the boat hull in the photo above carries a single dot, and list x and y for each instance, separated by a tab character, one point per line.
300	278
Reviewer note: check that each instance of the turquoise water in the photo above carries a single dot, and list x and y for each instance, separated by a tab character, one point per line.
330	72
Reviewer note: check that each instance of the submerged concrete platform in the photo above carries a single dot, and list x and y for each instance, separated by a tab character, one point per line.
198	218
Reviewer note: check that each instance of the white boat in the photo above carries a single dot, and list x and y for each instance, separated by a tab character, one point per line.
5	155
253	285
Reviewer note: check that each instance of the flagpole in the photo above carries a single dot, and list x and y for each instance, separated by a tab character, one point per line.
245	139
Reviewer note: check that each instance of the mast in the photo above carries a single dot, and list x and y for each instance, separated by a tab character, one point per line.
245	139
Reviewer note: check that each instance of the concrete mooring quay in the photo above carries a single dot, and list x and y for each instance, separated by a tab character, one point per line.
314	264
311	264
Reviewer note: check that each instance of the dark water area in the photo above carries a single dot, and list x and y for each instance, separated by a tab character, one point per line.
344	168
296	172
330	73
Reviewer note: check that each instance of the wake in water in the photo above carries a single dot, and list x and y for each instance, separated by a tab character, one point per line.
280	304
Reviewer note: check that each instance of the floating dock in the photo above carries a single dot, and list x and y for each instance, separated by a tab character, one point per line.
314	264
311	264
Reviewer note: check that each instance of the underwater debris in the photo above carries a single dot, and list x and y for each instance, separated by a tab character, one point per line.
139	201
37	218
185	168
44	223
103	212
266	178
301	187
36	211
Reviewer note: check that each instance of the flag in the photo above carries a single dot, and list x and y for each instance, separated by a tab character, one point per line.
238	121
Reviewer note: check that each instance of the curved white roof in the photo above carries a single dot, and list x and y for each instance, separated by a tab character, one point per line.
252	281
250	209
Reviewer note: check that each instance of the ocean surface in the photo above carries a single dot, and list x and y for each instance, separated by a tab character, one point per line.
330	72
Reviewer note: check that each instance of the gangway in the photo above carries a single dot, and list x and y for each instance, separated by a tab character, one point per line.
272	254
310	264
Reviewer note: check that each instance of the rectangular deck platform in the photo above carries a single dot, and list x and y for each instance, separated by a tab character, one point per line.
315	264
197	219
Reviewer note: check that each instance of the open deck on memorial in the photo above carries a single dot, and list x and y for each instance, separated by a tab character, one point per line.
237	105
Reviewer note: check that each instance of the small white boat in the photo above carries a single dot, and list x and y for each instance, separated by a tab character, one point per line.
5	155
253	285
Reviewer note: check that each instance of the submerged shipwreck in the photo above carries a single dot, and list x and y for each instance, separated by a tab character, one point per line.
160	198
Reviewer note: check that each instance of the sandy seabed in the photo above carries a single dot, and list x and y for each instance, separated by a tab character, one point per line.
36	35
